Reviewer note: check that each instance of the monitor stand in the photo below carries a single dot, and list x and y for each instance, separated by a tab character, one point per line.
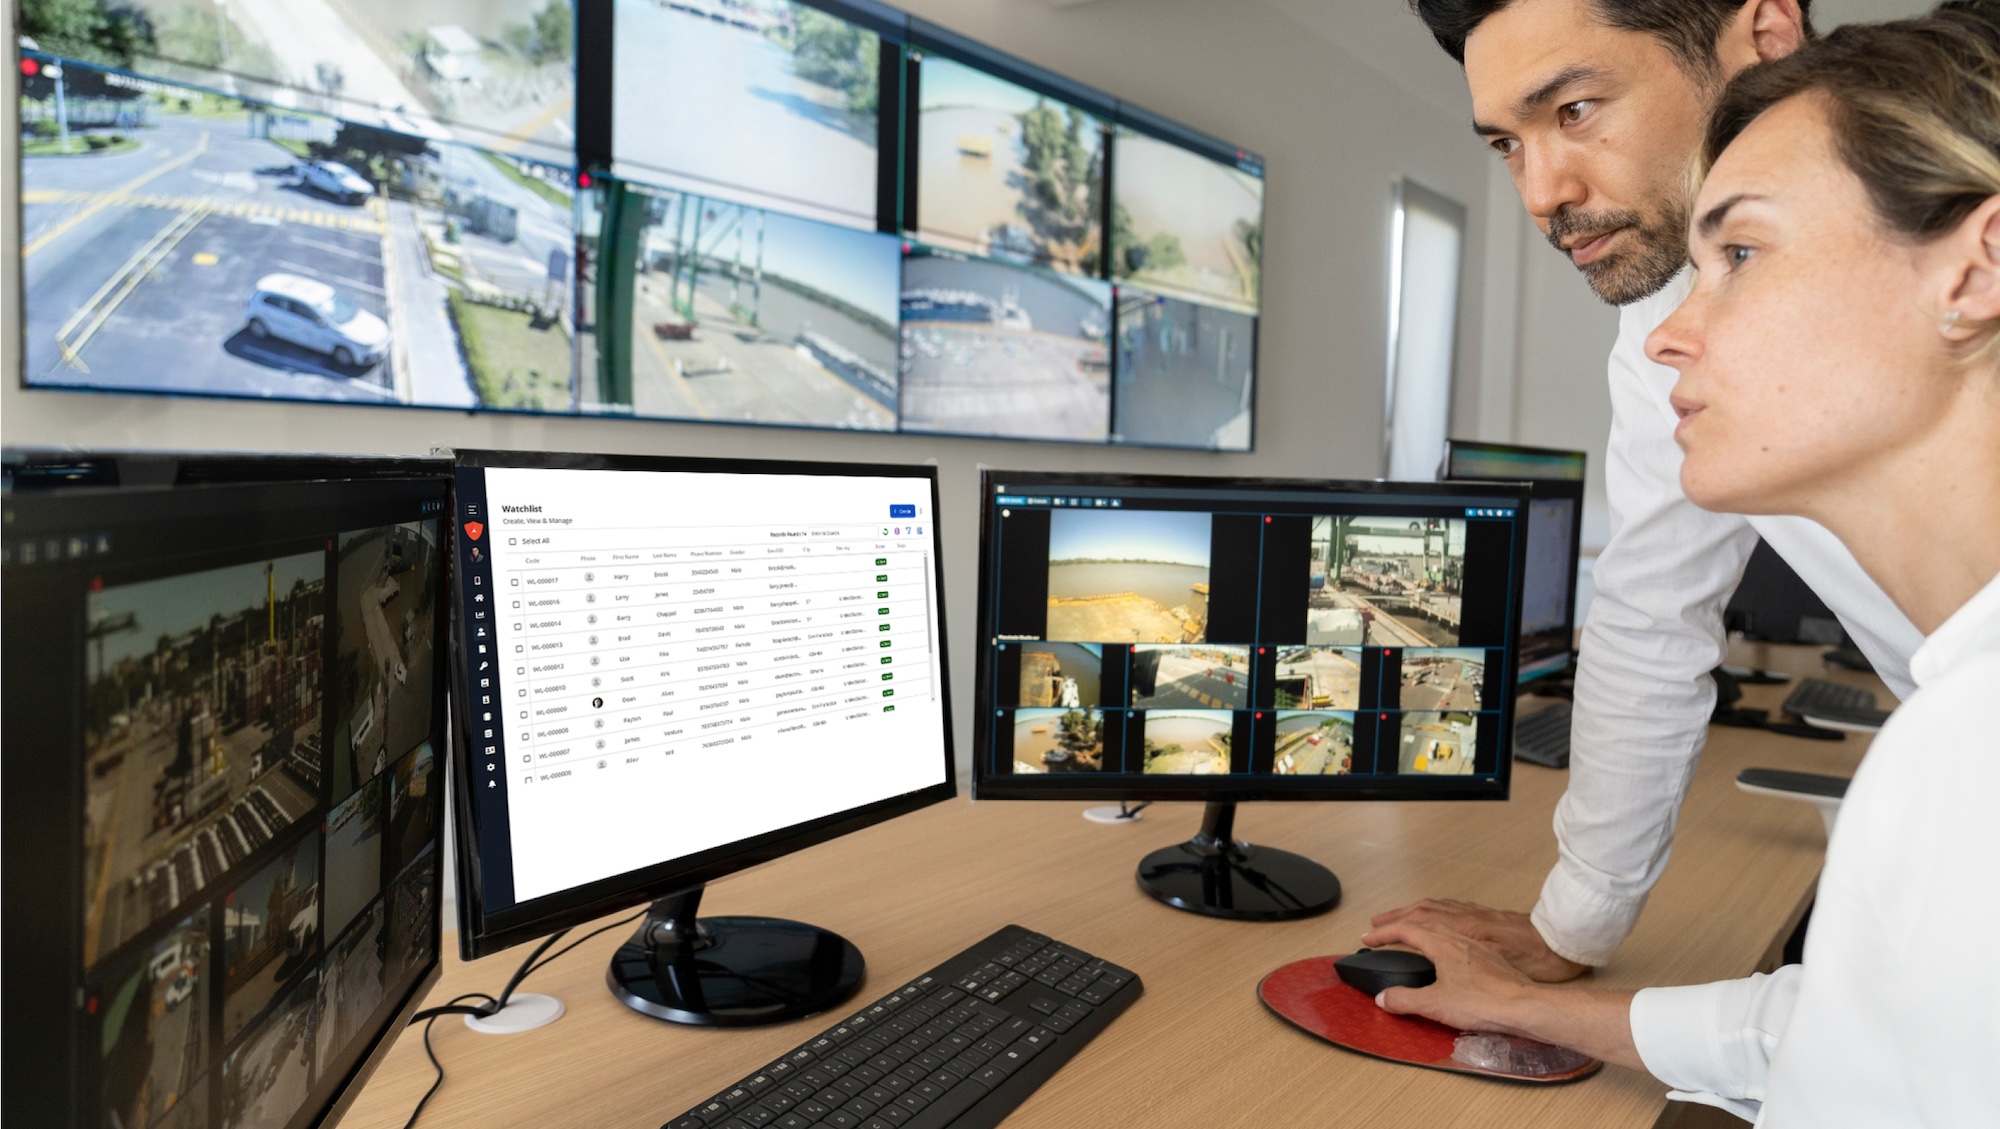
730	971
1213	874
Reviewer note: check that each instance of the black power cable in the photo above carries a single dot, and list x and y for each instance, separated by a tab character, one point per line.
535	963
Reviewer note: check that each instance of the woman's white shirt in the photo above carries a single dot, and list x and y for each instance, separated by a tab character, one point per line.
1894	1017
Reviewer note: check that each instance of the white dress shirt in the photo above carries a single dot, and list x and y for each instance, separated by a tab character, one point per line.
1653	633
1894	1018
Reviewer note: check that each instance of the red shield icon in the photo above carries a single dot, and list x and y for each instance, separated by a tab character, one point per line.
473	529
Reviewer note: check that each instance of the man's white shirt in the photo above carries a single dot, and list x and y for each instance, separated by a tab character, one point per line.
1653	633
1899	996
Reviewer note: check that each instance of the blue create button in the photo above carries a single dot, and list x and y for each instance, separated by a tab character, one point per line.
902	511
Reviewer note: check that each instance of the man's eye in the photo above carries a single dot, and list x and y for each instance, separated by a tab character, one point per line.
1505	146
1574	112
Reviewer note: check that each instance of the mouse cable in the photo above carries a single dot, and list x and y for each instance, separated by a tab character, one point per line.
534	963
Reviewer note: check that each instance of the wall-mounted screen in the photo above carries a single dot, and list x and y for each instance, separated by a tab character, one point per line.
993	348
772	104
823	214
218	246
496	73
1006	172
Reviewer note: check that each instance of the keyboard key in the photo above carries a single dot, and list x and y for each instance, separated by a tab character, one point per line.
861	1108
688	1122
791	1121
840	1119
758	1115
813	1110
1095	994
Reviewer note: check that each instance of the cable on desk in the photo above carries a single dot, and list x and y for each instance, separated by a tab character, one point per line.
535	963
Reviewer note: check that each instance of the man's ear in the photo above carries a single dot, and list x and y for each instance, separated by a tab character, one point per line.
1972	258
1777	28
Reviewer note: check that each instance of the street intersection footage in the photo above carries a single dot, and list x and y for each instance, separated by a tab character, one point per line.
206	244
382	666
1385	581
1443	678
744	314
1059	741
201	733
1312	743
1201	676
1128	576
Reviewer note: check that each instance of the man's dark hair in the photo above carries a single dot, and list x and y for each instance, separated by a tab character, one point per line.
1689	28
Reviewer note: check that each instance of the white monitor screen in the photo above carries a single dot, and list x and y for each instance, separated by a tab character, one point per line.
663	663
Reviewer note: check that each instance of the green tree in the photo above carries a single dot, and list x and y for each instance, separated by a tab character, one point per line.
835	53
555	32
87	30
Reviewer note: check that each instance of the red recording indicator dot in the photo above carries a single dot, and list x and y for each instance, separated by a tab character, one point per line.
1385	717
583	180
1260	716
31	68
1260	650
97	584
1267	520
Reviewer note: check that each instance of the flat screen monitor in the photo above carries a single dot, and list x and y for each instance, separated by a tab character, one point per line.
1245	639
1555	542
671	669
224	784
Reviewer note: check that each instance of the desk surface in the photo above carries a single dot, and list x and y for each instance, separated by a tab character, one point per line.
1197	1049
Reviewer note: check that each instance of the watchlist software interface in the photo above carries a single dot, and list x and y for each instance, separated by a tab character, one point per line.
1188	633
662	663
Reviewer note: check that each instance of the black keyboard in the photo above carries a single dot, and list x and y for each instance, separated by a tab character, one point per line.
1542	737
959	1046
1818	699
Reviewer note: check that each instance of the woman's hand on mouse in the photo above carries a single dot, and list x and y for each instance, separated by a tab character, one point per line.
1476	989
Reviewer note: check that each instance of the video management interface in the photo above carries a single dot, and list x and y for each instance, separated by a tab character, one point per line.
1185	633
260	790
660	664
842	217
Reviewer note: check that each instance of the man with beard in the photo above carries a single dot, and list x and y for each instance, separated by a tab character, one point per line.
1598	107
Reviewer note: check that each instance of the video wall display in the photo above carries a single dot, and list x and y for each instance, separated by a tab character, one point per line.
1244	634
231	955
749	211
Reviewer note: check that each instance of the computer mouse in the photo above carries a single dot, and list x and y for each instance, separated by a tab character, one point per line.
1371	970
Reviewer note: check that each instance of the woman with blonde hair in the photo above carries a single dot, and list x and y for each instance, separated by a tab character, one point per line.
1839	359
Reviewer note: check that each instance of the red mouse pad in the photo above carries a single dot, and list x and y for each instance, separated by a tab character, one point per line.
1311	996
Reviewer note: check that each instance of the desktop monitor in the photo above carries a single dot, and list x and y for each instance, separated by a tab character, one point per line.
223	789
672	669
1222	639
1555	541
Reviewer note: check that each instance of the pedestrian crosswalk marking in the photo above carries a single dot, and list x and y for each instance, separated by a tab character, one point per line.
371	223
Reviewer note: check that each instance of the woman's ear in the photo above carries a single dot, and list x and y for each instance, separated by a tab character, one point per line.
1972	254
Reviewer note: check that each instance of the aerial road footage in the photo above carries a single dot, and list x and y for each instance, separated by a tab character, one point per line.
1314	743
1128	576
201	733
1443	678
1437	744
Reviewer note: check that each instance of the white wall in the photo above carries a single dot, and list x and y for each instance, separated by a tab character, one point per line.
1340	103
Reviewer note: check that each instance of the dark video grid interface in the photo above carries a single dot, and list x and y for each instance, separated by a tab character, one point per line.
254	788
1144	632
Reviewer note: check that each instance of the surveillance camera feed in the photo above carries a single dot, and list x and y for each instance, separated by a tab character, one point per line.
496	73
992	348
230	967
1006	172
739	313
1157	630
199	242
770	103
797	220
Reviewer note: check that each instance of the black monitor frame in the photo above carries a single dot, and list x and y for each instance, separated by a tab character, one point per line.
481	932
1226	789
52	492
1539	488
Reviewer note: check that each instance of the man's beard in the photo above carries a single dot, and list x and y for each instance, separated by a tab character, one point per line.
1628	275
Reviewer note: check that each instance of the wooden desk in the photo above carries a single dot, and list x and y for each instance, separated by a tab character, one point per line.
1197	1049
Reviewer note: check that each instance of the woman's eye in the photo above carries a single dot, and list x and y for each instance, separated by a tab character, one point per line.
1573	112
1736	255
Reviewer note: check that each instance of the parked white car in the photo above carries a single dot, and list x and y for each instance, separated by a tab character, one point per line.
313	315
335	180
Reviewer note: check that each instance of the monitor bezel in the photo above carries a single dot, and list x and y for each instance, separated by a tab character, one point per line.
482	932
1572	489
126	486
1231	789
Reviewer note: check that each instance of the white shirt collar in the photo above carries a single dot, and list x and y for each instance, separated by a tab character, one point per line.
1972	629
